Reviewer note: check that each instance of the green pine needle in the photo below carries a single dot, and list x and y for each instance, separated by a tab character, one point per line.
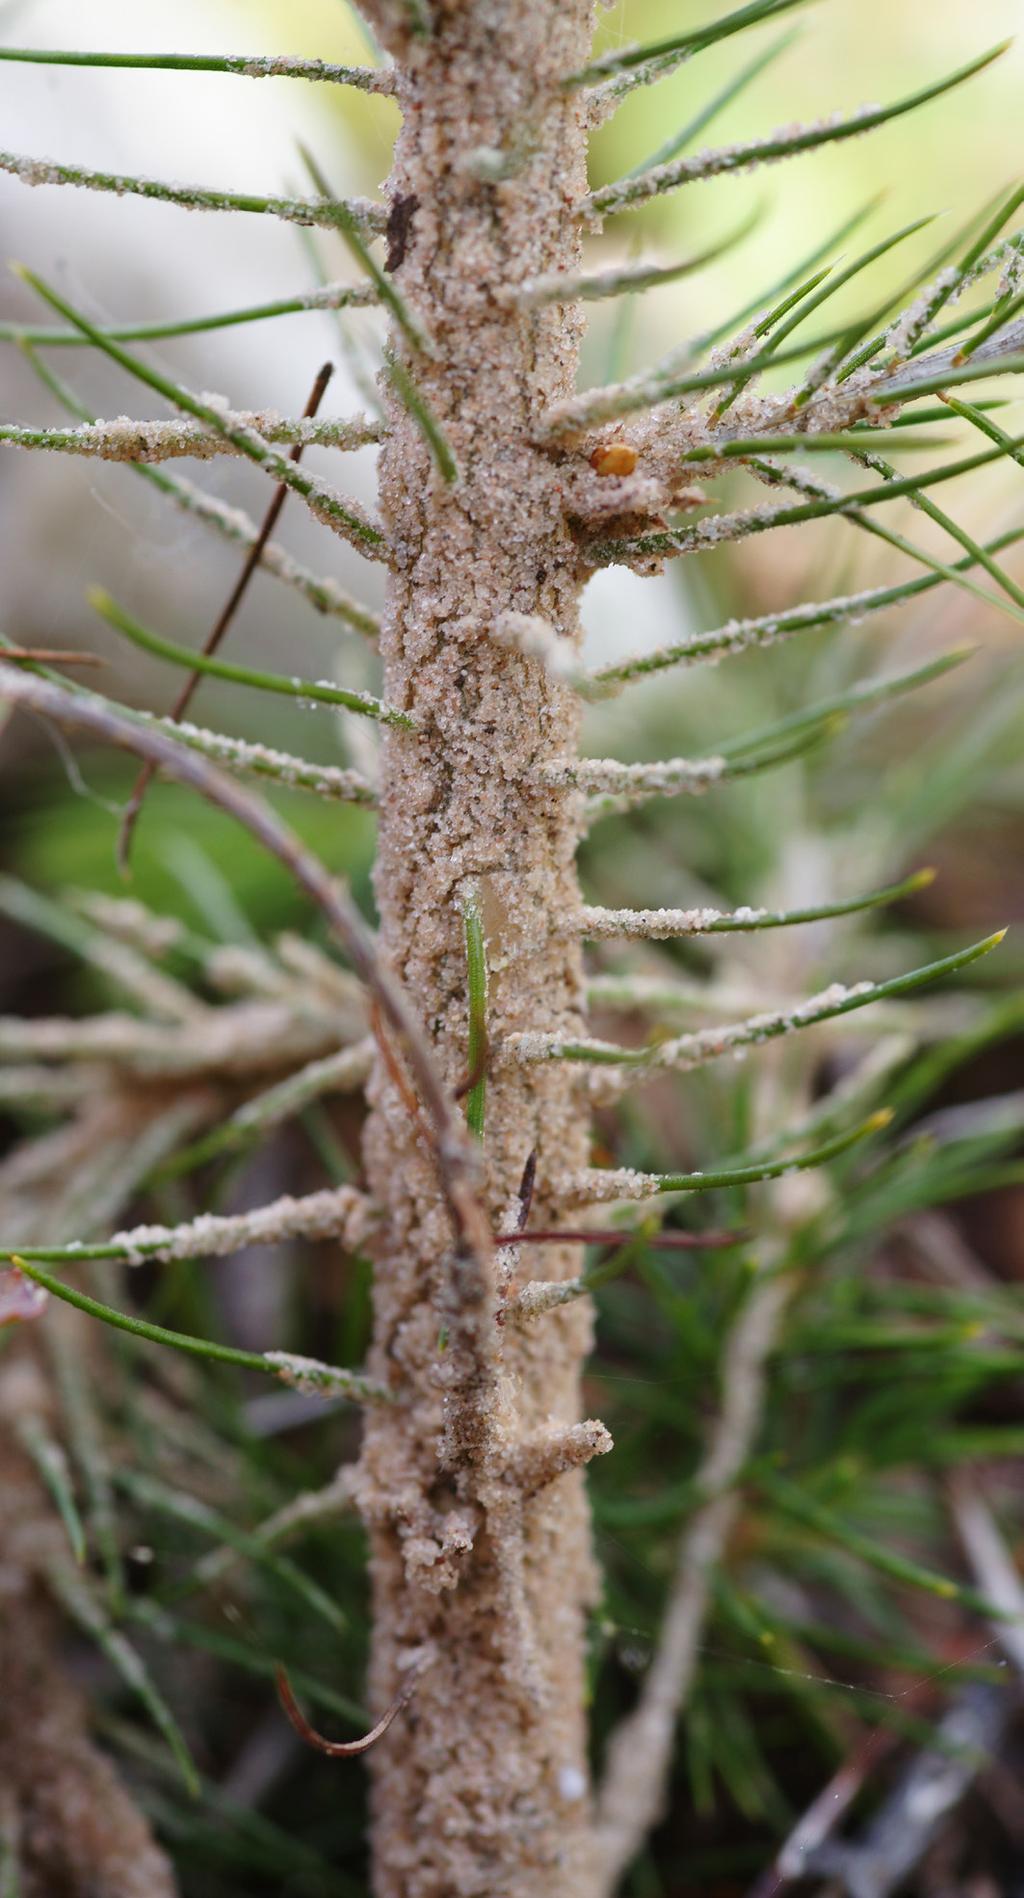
1004	310
52	1467
26	1261
415	403
700	922
668	380
691	539
333	297
192	1513
856	699
352	228
729	93
639	65
626	279
301	1372
310	691
703	1046
242	66
731	324
325	595
629	192
814	302
793	1500
960	534
331	215
323	501
973	412
85	1607
950	376
774	1169
852	441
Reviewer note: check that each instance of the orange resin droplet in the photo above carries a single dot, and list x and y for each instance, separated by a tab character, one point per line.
614	458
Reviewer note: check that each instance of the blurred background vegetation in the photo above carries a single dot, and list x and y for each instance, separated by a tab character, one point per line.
904	1357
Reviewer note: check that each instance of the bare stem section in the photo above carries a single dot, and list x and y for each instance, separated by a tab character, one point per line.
474	1559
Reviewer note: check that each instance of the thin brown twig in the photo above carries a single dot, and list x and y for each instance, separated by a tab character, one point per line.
396	1073
215	637
341	1749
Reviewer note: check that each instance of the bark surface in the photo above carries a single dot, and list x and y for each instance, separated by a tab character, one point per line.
481	1787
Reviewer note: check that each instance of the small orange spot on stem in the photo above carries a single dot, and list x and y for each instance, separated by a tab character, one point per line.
614	458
